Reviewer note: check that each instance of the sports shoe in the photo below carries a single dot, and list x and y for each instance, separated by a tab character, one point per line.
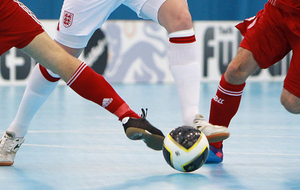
215	155
9	145
214	133
141	129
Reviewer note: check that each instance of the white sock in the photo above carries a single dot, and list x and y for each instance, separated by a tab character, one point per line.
185	67
36	93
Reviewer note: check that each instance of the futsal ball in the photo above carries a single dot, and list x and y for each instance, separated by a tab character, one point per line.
185	148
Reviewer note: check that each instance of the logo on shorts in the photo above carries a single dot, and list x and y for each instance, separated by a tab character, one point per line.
68	19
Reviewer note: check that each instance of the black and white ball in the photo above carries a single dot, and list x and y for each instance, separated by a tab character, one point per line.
185	148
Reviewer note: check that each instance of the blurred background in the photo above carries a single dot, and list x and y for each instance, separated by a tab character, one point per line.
127	49
200	9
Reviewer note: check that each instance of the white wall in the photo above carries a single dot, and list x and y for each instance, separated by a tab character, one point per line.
136	51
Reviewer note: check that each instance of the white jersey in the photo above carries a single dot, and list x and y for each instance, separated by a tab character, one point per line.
80	18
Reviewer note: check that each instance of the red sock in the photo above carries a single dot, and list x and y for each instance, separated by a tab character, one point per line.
47	75
92	86
225	104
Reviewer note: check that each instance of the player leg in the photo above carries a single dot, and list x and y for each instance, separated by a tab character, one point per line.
88	84
81	78
175	17
226	102
135	129
290	101
24	29
96	13
92	86
251	56
36	93
290	96
41	84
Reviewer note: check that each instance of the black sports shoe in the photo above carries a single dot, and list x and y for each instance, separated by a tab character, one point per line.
141	129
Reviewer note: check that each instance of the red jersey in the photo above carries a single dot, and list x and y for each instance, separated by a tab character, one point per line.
272	34
290	6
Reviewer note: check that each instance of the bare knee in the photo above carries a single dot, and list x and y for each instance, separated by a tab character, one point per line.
290	102
183	21
174	15
241	67
235	75
180	21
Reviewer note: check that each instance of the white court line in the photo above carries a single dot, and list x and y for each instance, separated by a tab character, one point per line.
84	132
147	149
87	147
266	136
122	131
271	154
94	131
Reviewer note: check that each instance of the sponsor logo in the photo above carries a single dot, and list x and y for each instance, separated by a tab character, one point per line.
218	100
16	148
95	54
106	102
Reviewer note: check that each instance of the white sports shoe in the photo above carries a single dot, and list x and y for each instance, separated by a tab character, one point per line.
9	145
214	133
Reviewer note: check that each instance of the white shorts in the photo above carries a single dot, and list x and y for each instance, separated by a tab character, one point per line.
80	18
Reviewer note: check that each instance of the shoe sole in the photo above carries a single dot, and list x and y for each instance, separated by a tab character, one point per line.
217	137
153	141
6	163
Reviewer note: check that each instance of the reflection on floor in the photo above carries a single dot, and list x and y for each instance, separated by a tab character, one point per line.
75	144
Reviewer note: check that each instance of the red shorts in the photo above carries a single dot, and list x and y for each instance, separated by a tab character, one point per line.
270	36
18	25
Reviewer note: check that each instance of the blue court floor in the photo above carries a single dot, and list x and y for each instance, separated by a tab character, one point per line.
74	144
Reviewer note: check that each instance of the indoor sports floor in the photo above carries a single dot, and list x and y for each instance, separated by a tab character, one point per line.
74	144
